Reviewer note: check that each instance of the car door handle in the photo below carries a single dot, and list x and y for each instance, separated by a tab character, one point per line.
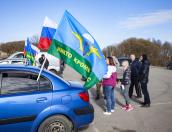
42	99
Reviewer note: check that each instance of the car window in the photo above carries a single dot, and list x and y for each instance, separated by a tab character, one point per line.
19	56
19	82
17	62
44	84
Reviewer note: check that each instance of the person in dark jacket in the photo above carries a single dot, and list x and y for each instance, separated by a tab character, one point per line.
125	84
98	90
135	67
62	67
41	61
144	78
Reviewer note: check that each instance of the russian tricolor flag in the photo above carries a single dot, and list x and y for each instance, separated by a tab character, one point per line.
47	34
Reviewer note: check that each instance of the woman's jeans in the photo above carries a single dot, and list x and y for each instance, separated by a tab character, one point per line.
110	97
125	94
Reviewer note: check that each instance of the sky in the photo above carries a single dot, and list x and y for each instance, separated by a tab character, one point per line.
108	21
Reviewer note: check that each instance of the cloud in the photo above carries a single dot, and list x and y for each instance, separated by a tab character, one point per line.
148	19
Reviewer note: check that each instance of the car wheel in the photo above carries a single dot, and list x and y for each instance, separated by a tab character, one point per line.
58	123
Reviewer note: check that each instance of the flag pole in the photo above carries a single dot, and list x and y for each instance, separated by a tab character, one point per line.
42	67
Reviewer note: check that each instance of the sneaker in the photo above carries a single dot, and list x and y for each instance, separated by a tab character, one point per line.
107	113
124	107
129	108
112	110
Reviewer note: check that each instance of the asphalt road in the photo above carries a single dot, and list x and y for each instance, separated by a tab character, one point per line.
157	118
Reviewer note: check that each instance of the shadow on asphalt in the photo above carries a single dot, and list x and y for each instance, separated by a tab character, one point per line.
100	102
134	99
122	130
82	129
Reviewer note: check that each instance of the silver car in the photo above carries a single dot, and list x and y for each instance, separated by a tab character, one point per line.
18	58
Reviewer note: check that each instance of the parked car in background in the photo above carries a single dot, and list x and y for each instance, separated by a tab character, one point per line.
18	58
48	105
17	55
169	66
13	61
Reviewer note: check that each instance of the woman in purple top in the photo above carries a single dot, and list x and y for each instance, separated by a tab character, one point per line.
109	83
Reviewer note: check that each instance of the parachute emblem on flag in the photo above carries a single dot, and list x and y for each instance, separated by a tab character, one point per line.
89	48
80	41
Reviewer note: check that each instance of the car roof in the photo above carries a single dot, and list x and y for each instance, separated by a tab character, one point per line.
12	59
51	76
16	66
23	67
12	55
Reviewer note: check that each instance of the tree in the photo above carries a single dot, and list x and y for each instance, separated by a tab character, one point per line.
166	53
158	53
12	47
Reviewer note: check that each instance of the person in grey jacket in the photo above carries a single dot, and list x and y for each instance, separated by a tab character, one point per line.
125	84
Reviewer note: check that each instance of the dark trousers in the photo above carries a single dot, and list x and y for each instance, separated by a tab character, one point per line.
145	93
98	89
135	83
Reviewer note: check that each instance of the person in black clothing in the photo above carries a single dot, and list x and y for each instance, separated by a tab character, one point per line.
41	61
143	77
62	67
135	66
98	90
